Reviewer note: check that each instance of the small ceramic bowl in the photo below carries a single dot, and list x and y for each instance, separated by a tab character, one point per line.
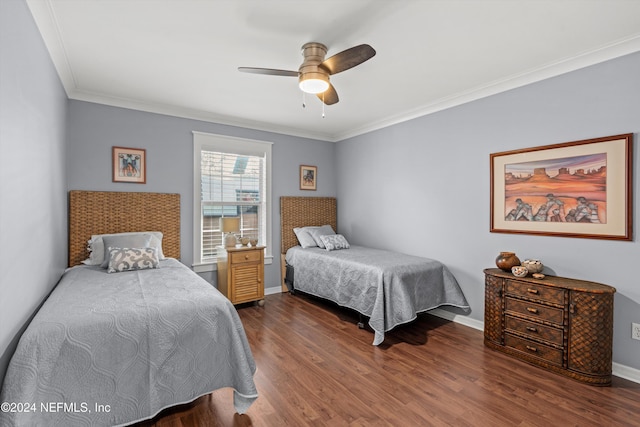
533	265
519	271
244	241
254	242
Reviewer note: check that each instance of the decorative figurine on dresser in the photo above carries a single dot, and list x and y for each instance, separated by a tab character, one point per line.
560	324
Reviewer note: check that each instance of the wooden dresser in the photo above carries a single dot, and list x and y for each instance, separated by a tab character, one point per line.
560	324
241	273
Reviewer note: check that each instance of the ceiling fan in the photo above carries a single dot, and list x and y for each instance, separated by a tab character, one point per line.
313	74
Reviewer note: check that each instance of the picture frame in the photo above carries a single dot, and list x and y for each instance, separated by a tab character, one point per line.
308	177
574	189
129	165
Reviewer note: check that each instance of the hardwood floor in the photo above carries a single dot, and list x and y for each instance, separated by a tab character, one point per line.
316	368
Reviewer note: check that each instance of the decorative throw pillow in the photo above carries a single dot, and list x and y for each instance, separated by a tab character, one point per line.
124	241
325	230
127	259
304	236
97	249
333	242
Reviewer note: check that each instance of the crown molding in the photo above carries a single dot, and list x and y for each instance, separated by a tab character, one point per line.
47	23
611	51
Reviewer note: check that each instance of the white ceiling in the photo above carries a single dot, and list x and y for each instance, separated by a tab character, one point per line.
180	57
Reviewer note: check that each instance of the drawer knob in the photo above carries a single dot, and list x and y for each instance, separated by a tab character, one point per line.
530	348
533	291
246	257
532	310
532	329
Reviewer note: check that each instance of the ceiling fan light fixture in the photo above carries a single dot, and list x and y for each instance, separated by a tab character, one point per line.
314	82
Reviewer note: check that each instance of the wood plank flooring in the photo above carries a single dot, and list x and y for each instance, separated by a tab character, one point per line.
316	368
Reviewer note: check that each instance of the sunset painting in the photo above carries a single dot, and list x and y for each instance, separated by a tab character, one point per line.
570	189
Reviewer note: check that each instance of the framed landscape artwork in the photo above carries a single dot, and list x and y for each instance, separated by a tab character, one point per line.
573	189
308	177
129	165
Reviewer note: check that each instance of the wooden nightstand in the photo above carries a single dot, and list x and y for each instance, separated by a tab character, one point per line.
241	273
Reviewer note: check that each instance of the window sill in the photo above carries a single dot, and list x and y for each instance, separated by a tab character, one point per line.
213	266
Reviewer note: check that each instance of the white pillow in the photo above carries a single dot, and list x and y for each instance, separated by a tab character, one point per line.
304	238
334	242
325	230
97	251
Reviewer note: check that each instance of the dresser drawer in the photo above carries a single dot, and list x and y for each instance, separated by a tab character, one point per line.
534	330
535	291
248	256
532	348
535	311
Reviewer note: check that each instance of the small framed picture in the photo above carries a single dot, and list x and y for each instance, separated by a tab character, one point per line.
129	165
308	177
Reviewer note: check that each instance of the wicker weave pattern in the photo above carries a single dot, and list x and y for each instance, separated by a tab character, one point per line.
591	343
493	309
102	212
304	211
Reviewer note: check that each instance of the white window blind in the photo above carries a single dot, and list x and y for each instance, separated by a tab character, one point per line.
232	186
232	178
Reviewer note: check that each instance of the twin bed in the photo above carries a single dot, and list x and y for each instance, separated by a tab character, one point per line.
388	288
113	349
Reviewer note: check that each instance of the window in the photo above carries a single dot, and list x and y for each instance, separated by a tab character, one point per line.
232	178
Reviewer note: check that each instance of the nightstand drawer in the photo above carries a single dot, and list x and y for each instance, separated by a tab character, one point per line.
242	256
534	291
548	353
535	311
534	330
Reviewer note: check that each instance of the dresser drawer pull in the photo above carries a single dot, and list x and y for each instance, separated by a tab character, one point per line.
246	257
533	291
535	350
532	310
532	329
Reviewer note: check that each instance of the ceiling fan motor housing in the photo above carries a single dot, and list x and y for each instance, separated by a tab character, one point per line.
313	54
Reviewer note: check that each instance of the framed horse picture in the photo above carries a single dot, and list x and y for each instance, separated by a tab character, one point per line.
308	177
129	165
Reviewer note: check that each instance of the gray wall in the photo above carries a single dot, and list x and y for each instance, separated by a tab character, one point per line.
33	201
427	184
94	129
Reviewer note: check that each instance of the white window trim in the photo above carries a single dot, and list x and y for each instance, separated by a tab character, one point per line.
228	144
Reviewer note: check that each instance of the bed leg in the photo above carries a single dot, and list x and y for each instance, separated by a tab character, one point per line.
360	321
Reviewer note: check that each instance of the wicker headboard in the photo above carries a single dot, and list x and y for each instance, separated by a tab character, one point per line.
303	211
103	212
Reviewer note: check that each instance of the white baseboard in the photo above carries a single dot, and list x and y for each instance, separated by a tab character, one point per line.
463	320
271	291
622	371
626	372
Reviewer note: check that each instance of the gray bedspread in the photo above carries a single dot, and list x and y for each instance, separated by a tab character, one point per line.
389	287
112	349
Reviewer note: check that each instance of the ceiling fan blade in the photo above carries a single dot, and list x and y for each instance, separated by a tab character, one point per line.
348	58
269	71
329	96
